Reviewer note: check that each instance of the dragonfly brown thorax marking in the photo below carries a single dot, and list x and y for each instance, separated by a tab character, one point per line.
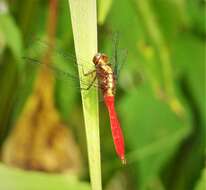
105	74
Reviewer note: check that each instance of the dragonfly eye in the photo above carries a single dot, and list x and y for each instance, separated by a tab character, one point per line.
100	58
104	58
96	58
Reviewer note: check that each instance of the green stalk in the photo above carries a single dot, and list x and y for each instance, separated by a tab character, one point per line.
104	8
84	26
156	36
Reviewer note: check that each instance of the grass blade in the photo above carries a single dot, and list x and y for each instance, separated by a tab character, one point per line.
84	26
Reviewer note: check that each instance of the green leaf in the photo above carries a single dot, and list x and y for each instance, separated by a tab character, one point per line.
84	26
16	179
9	85
66	91
152	131
201	184
197	15
189	60
171	16
12	35
103	10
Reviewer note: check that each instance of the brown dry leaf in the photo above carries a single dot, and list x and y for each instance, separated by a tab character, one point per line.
40	140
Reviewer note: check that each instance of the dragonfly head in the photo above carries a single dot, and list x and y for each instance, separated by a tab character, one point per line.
100	58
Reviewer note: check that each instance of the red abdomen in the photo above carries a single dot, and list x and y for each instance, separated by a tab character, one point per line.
115	127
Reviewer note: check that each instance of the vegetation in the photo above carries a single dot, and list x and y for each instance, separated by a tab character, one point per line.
49	135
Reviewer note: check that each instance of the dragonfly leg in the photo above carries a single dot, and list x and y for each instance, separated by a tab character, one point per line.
90	85
89	72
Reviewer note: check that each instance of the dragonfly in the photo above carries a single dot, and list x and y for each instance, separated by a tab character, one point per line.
106	73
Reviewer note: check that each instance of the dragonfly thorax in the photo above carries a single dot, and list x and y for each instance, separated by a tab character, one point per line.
100	58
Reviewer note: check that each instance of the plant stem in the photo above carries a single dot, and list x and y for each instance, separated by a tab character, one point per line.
84	25
156	36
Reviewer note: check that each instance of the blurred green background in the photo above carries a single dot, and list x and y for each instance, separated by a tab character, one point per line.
160	98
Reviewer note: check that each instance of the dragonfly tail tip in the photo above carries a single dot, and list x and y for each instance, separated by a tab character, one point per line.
123	160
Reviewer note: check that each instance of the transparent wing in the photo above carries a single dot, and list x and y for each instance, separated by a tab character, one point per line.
37	48
64	65
122	55
118	57
114	57
43	44
58	73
